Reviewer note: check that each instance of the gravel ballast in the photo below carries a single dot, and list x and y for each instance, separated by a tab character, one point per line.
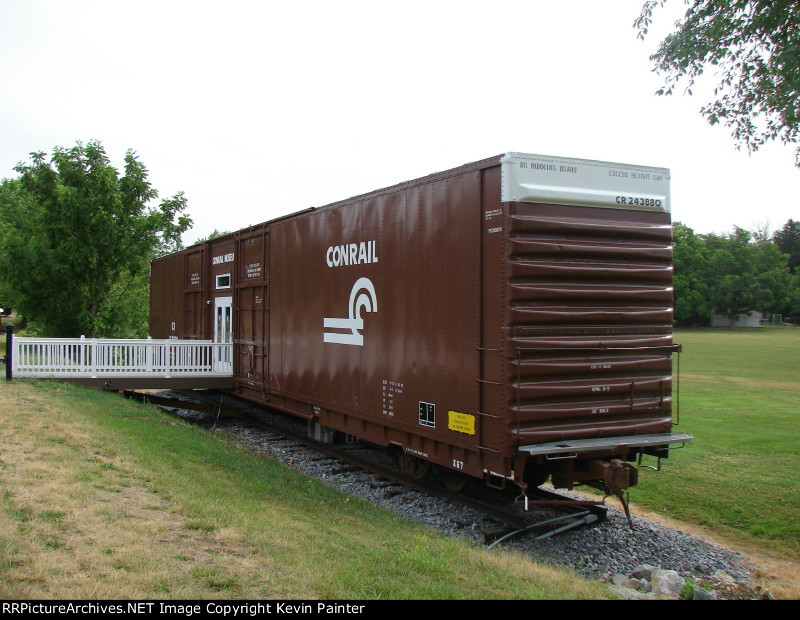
597	551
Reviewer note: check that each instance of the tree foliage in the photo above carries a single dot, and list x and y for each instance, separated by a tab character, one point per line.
788	241
215	234
692	281
749	274
755	47
78	238
793	306
730	274
15	207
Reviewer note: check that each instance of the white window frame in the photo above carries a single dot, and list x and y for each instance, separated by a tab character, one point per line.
223	275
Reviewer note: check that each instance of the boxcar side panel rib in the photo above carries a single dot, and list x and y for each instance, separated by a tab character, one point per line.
493	436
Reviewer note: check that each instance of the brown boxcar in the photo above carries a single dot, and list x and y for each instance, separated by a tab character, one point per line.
510	319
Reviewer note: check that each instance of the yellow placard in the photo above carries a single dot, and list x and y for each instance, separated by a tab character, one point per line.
461	422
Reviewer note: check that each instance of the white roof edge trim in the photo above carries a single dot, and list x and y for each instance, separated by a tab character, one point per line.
582	182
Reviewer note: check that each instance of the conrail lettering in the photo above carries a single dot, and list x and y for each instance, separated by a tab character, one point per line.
352	254
226	258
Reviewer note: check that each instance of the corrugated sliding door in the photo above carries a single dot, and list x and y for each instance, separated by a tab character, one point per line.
194	300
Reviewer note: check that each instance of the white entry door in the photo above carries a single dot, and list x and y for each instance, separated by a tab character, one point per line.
223	333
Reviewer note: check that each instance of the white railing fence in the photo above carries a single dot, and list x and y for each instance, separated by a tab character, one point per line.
92	357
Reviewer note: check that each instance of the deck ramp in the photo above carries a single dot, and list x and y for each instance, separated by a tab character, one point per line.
116	364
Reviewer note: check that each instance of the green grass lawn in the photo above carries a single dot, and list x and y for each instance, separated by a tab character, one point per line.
101	497
740	398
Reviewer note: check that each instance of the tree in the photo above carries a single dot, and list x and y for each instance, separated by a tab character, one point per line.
755	46
15	207
78	240
692	281
747	274
788	241
214	235
793	307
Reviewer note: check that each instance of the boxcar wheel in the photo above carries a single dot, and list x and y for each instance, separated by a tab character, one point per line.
535	474
453	481
411	465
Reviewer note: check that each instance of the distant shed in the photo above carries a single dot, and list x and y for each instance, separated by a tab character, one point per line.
751	319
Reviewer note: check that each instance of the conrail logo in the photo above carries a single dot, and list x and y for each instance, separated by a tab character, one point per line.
351	254
362	296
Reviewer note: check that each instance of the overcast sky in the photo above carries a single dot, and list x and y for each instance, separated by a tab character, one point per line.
257	109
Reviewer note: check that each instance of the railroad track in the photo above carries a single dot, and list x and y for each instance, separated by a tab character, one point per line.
511	521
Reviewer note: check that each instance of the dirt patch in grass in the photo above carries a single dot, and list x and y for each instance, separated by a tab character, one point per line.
743	381
781	576
77	522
